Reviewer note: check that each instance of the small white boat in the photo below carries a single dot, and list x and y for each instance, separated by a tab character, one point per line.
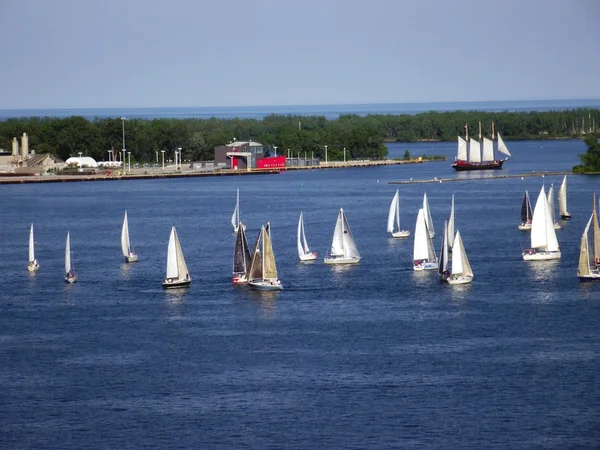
263	270
33	263
304	252
424	257
126	248
343	248
551	207
461	269
241	258
562	200
427	215
235	217
544	245
177	272
526	214
587	270
393	223
70	276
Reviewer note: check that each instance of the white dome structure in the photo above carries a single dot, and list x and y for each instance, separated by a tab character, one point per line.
81	161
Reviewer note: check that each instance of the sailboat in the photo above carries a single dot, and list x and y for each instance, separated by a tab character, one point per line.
451	224
478	157
423	253
343	248
461	269
562	200
587	270
551	207
304	252
235	217
394	219
69	274
263	270
241	258
177	271
526	214
427	215
596	235
443	262
544	245
33	263
126	249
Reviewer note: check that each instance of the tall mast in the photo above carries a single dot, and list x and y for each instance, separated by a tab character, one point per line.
467	132
492	131
480	130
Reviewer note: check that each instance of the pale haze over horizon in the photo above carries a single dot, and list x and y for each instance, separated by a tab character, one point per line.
150	53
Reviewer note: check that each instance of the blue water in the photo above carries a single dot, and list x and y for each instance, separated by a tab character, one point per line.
329	111
372	356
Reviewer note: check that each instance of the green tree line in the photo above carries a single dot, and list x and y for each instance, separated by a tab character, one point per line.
590	160
363	137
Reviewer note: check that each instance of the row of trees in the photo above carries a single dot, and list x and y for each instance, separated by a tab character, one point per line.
363	137
590	160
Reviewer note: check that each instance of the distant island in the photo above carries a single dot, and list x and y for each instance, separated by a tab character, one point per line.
590	160
362	137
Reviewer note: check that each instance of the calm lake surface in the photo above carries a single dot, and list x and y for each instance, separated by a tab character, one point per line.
370	356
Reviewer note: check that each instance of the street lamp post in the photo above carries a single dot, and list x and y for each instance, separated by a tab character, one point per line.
275	150
123	158
156	156
109	155
129	161
163	159
178	148
325	153
344	155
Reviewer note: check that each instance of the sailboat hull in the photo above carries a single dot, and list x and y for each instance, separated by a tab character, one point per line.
341	260
459	279
592	276
535	255
33	266
131	258
71	279
173	284
239	278
425	266
466	165
402	234
265	285
310	256
565	216
525	226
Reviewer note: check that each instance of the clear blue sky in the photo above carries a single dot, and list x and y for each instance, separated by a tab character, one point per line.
151	53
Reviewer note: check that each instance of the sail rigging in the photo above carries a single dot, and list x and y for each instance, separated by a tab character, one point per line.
427	215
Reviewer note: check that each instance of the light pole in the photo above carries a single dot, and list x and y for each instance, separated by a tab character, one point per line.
129	161
344	155
123	120
163	158
80	161
275	150
156	156
109	155
178	148
325	153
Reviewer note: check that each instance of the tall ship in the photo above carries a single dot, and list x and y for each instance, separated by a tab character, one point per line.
476	155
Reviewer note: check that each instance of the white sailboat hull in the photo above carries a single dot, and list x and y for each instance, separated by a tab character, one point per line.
566	216
239	278
266	285
170	283
341	260
557	226
592	276
33	266
71	279
460	279
425	266
402	234
131	258
525	226
310	256
536	255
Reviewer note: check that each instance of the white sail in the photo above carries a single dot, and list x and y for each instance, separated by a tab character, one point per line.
451	224
350	250
461	155
337	243
488	150
427	214
562	198
551	203
420	246
125	247
460	262
301	238
172	271
235	217
585	263
182	269
68	254
543	235
394	213
474	151
502	146
31	245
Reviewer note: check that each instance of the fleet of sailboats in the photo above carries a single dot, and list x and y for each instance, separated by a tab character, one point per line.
262	274
393	223
476	156
304	252
70	276
544	245
241	257
126	248
33	263
562	200
343	248
424	257
526	214
178	275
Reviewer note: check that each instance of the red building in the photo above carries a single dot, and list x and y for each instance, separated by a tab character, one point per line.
274	162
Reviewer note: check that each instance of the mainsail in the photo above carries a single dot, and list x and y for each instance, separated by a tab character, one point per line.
350	250
337	243
423	247
125	246
303	248
585	264
462	149
394	213
474	151
68	254
562	198
255	270
269	266
488	150
543	235
427	215
526	214
176	266
596	235
443	262
451	223
460	262
235	217
241	254
31	245
551	203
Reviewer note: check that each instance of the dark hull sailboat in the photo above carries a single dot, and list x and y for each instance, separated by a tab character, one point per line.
476	155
